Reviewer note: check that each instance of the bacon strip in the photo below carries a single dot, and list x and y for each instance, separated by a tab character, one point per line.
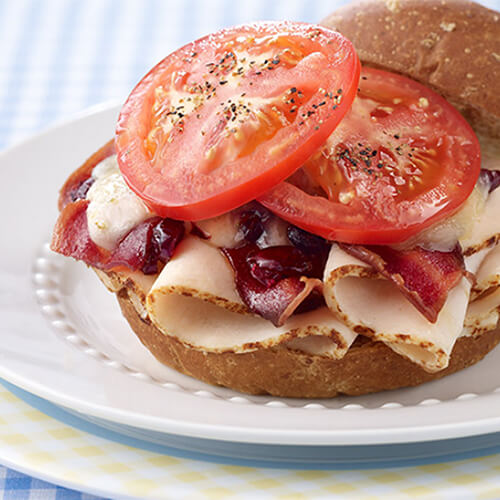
71	236
70	190
276	301
424	277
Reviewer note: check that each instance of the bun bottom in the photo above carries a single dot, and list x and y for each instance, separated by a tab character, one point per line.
367	367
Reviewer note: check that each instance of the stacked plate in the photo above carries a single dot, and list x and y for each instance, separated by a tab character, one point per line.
65	343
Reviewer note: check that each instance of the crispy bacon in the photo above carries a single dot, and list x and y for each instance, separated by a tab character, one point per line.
270	281
424	276
79	181
71	236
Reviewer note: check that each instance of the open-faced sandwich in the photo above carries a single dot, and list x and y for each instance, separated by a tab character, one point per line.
276	219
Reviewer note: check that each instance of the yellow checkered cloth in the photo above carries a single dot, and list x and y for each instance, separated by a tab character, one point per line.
31	440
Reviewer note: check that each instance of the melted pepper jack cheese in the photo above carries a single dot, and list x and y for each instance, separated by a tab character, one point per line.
444	235
114	209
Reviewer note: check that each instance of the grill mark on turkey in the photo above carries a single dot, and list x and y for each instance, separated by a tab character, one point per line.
493	240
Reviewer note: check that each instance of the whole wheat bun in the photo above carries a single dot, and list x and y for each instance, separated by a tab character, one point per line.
454	48
367	367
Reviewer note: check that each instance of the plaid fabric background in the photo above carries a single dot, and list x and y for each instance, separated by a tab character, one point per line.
59	57
17	486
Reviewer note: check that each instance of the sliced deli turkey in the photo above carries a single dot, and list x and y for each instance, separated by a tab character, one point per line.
194	299
268	229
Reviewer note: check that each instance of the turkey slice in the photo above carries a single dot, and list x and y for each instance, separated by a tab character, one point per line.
375	307
137	284
483	311
194	300
482	314
488	272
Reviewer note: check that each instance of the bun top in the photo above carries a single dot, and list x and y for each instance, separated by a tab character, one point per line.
452	46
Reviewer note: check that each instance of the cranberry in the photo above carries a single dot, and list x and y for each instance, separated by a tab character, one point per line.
252	222
272	264
80	192
134	249
307	242
314	247
150	242
492	177
165	236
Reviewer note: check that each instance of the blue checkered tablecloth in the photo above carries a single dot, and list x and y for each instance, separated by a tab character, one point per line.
17	486
58	57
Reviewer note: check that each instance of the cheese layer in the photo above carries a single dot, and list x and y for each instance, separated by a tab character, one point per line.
113	209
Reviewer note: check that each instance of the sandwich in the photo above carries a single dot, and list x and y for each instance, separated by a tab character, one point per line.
276	219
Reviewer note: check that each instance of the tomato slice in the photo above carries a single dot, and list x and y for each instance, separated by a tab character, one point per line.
401	159
225	118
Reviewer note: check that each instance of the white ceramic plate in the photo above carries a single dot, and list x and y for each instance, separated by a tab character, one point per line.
61	451
63	339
